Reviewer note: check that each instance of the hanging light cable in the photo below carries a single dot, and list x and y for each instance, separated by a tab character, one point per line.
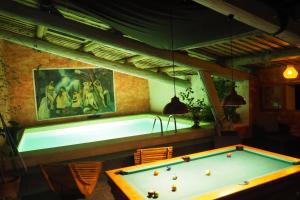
233	99
175	106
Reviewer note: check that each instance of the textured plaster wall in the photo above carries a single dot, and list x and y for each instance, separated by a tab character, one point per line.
4	99
131	93
161	94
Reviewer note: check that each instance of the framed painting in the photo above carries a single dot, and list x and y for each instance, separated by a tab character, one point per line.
66	92
272	97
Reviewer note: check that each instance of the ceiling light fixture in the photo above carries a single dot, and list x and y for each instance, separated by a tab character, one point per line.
233	99
175	106
290	72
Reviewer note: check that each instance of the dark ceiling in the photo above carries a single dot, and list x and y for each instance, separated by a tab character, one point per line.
108	29
150	21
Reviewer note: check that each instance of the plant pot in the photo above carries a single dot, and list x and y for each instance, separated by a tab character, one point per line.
9	188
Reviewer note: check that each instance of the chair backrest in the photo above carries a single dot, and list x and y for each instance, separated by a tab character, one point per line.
152	154
74	180
86	175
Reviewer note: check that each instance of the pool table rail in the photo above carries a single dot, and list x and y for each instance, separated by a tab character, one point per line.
124	190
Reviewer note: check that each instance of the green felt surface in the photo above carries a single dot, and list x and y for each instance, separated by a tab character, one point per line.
192	180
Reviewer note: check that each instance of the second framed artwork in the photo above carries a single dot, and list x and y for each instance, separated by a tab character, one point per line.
66	92
272	97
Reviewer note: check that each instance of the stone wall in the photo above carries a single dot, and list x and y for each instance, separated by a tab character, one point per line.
131	93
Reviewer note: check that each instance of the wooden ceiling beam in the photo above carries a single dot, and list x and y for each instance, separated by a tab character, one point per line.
264	57
198	54
176	69
134	59
89	46
87	58
58	23
250	19
223	40
40	31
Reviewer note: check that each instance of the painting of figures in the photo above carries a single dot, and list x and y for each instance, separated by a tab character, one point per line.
72	92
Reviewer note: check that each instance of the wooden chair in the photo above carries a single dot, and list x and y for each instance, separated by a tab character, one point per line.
86	175
74	180
152	154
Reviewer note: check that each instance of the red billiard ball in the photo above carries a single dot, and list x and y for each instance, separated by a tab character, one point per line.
229	155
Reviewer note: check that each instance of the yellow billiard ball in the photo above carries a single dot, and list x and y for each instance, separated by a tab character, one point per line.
173	188
156	172
207	172
174	177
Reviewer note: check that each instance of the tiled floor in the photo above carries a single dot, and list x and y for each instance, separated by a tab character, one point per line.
102	191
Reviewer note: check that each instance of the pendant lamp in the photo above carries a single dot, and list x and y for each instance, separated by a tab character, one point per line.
290	72
175	106
233	99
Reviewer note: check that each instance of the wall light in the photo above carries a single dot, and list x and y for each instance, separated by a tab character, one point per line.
290	72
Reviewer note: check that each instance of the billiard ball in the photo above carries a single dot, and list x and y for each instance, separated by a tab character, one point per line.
229	155
155	173
186	158
156	194
174	177
168	168
239	148
150	193
173	188
207	172
244	183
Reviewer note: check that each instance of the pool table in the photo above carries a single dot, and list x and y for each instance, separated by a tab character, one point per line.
233	172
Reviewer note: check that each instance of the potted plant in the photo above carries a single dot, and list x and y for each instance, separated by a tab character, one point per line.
195	106
10	174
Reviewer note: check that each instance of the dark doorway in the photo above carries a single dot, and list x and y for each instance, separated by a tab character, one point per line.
297	97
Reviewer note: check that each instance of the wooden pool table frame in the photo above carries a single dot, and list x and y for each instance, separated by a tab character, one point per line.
283	182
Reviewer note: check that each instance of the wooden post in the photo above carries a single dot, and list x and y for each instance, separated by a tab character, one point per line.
217	109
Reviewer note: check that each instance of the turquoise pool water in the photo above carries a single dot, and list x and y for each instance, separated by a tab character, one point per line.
92	131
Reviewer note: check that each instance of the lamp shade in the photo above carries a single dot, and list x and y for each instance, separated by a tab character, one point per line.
290	72
233	99
175	107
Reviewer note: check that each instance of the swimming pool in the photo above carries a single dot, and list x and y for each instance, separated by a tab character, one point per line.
53	136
